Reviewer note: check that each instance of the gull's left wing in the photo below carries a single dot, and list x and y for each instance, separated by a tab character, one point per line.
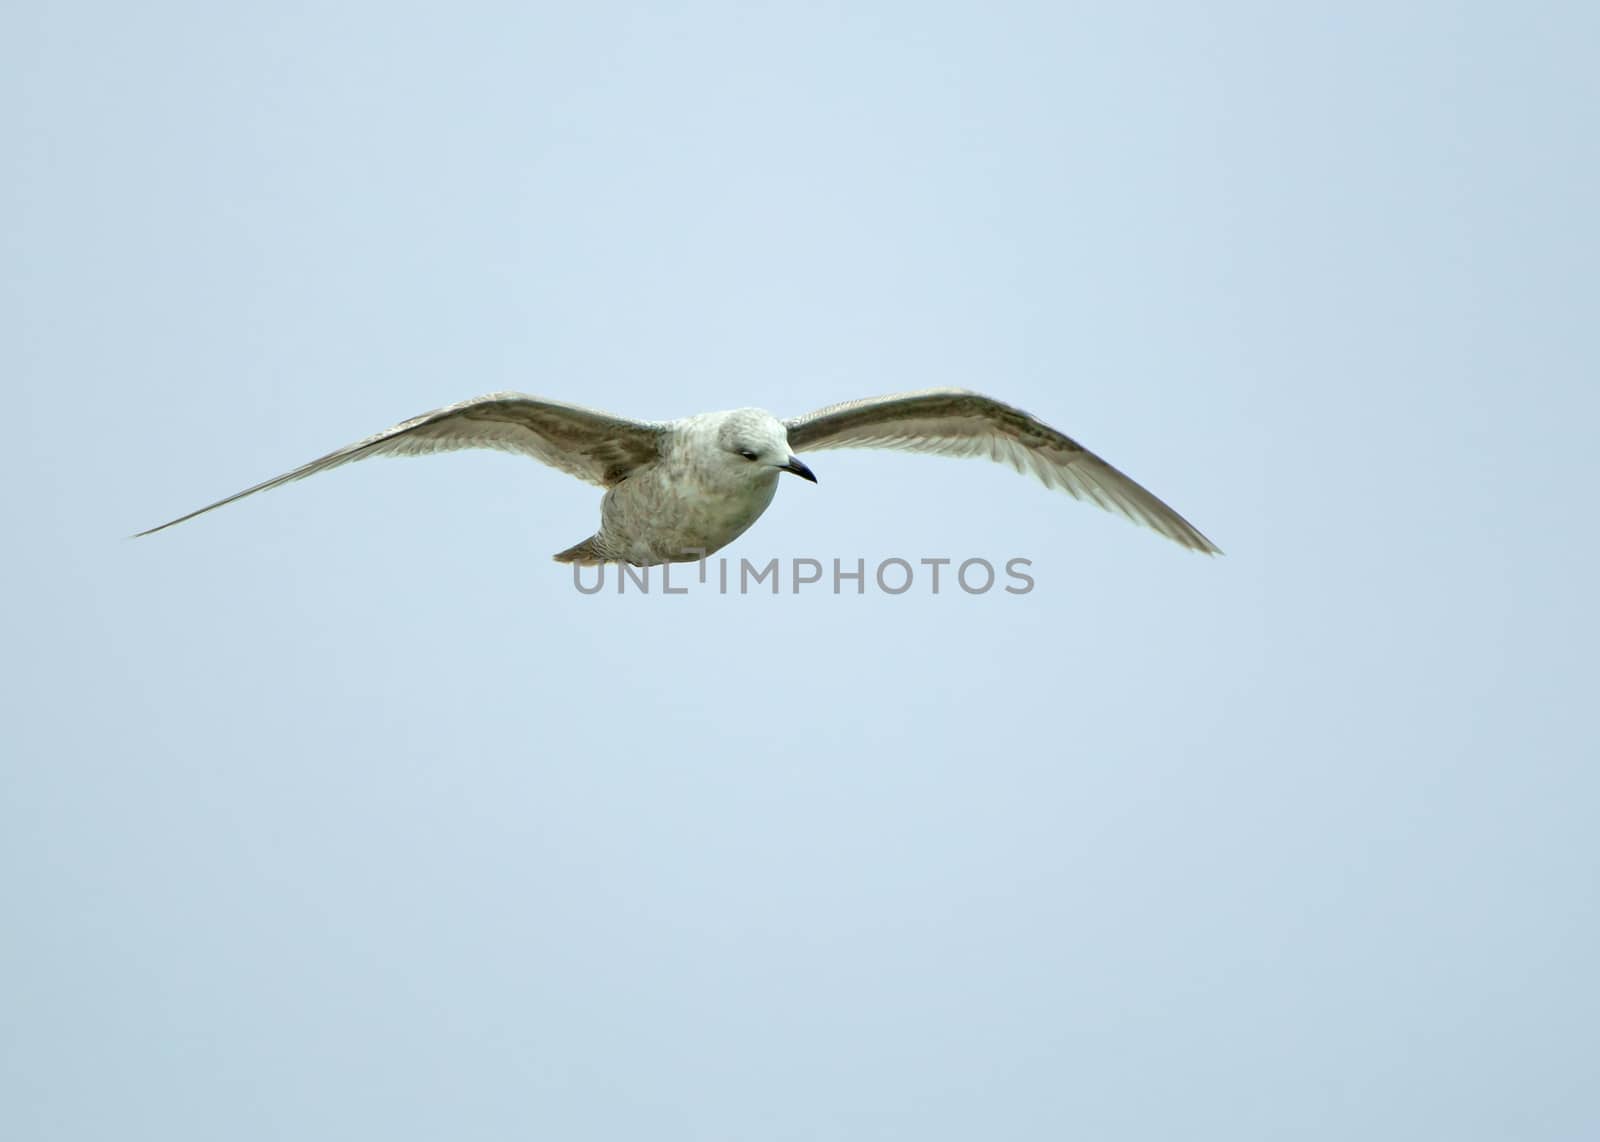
956	422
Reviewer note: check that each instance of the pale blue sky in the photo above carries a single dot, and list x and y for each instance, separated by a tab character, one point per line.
339	814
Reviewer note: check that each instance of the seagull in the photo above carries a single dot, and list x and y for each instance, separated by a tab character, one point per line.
678	490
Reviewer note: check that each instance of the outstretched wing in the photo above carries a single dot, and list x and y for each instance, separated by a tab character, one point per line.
956	422
582	442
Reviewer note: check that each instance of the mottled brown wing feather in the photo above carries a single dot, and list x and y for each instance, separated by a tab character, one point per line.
582	442
955	422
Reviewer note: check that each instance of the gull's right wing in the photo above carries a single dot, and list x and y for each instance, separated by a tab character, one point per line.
583	442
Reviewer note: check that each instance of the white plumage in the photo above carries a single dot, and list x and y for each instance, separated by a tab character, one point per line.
679	490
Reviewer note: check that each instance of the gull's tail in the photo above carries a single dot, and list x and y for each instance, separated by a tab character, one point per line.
587	553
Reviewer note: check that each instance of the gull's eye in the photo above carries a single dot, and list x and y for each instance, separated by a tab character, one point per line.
747	453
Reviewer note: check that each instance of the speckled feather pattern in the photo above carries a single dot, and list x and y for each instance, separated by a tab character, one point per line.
955	422
690	502
677	490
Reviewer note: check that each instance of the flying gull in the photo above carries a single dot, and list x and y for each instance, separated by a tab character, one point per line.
678	490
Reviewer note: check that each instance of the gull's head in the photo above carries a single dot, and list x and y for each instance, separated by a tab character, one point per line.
756	442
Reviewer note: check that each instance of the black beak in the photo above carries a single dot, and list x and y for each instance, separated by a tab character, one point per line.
799	469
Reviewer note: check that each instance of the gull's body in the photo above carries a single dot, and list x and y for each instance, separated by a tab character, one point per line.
698	496
679	490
